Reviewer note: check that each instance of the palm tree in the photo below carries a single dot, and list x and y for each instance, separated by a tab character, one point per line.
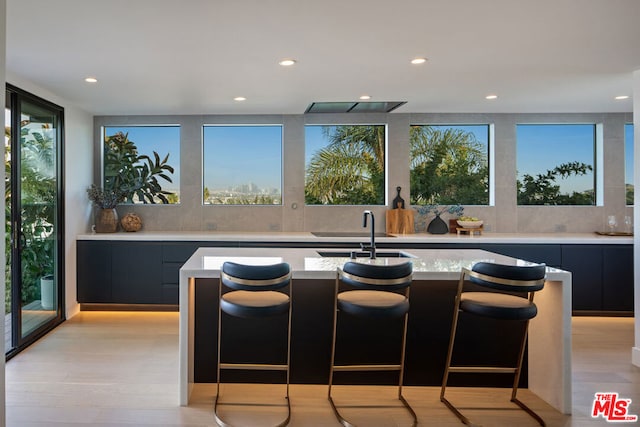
447	166
350	170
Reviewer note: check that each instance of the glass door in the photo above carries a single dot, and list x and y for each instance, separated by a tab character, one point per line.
34	213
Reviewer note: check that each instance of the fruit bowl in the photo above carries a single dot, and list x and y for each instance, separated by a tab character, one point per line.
470	224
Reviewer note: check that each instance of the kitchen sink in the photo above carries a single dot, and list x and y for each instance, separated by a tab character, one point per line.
363	254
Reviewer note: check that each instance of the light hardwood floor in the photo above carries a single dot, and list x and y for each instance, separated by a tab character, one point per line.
121	369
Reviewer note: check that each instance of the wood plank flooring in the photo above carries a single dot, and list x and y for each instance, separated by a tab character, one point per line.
107	369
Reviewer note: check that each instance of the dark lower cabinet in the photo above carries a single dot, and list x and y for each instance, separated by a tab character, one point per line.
94	271
585	264
617	274
136	273
130	272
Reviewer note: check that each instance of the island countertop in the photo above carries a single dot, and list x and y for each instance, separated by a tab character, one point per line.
549	335
348	237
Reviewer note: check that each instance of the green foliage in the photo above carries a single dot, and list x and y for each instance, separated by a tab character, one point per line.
543	190
134	175
39	187
350	170
629	192
448	166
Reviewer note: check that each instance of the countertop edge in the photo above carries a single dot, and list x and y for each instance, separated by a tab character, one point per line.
307	237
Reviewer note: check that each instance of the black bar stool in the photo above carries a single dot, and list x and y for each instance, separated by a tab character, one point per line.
372	291
255	292
498	302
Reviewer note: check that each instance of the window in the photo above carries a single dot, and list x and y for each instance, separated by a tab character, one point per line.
152	151
449	164
628	163
242	165
555	164
345	165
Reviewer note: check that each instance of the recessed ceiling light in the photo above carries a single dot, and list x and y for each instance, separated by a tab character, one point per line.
91	80
491	97
365	97
622	97
239	98
287	62
418	60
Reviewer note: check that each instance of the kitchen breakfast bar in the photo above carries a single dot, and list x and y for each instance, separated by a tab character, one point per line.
436	272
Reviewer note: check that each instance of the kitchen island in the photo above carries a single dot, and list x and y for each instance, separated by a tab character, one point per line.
435	274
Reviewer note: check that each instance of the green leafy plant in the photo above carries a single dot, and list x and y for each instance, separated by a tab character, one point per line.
133	175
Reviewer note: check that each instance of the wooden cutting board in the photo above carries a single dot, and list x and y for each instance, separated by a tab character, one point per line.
400	221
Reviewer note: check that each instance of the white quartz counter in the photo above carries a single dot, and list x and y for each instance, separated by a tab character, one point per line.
307	237
549	335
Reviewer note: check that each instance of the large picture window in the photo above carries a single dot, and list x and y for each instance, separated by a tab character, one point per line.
143	154
628	163
449	164
242	165
555	164
345	164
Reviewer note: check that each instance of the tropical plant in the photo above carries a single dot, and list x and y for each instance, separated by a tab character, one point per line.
350	169
38	192
132	174
448	166
543	190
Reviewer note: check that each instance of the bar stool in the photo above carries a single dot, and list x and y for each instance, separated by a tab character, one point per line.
497	301
372	291
254	292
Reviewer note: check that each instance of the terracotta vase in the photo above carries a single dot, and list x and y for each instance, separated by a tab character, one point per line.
106	221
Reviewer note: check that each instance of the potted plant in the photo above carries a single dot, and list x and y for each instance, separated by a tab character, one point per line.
106	217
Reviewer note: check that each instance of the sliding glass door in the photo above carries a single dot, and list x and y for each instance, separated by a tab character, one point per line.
34	226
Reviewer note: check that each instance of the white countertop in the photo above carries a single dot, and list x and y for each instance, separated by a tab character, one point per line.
306	263
307	237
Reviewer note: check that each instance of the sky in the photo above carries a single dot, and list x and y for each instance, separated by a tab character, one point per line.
628	154
236	155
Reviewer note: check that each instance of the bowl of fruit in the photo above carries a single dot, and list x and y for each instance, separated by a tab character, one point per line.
469	222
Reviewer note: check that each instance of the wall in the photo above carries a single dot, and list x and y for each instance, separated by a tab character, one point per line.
293	215
635	352
78	153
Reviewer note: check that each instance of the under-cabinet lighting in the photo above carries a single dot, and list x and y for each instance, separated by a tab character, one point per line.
91	80
417	61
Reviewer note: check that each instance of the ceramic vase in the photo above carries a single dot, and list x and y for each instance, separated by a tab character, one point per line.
437	226
106	221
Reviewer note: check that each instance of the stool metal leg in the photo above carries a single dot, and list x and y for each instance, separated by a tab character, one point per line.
454	327
516	380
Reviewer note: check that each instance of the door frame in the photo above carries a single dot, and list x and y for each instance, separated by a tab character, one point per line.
15	96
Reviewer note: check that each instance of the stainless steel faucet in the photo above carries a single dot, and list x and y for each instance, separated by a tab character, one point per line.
372	244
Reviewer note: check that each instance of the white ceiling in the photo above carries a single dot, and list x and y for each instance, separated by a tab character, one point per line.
195	56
